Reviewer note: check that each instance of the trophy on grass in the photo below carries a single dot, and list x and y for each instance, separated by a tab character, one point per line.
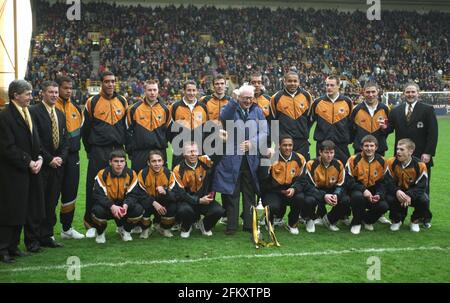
261	214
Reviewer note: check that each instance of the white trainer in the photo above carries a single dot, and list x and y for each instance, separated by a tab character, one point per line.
223	220
186	234
126	236
396	226
368	227
310	226
165	233
205	232
145	233
277	221
100	239
384	220
346	221
71	234
318	221
328	224
91	233
414	227
292	230
356	229
136	230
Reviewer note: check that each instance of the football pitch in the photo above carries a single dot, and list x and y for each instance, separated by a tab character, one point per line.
324	256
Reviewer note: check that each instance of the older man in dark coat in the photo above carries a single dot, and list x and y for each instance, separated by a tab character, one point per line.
238	170
21	198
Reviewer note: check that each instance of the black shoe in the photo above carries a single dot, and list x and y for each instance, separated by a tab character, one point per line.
34	248
51	243
230	232
247	229
18	253
7	259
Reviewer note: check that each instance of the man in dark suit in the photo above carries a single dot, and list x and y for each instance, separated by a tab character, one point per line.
21	199
416	121
51	125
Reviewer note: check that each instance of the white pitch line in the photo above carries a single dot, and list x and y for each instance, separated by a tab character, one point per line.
272	255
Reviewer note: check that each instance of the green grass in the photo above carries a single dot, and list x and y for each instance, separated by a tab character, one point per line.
320	257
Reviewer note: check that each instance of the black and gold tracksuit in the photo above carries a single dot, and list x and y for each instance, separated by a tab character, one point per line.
186	125
282	175
263	102
110	189
327	180
214	105
148	181
333	123
147	130
292	110
412	180
103	131
364	124
71	178
363	175
191	184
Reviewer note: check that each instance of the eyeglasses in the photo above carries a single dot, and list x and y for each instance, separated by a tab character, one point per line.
246	98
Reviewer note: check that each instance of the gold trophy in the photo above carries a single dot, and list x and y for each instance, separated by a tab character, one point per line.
260	214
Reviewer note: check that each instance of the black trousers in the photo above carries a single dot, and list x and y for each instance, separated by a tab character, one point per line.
166	221
398	213
98	159
278	203
101	215
140	158
69	190
9	238
339	211
341	152
187	214
302	147
52	179
428	215
365	211
231	203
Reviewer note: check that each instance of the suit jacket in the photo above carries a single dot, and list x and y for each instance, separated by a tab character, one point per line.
21	192
44	125
422	128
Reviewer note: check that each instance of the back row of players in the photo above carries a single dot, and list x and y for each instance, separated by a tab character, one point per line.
369	186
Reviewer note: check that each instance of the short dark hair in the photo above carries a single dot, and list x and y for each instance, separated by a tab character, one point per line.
255	74
291	73
47	84
218	77
105	74
371	84
18	87
151	82
369	138
284	137
62	79
189	82
333	77
327	145
155	152
118	153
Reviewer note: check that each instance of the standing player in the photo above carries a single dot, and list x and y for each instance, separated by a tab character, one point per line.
104	130
71	178
147	122
217	100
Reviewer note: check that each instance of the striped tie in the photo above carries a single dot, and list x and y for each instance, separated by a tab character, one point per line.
409	114
55	135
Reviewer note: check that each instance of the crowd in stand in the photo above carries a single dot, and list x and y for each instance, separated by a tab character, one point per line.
138	43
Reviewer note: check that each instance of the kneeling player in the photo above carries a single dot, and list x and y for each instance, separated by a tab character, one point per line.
192	184
327	176
112	198
283	186
408	179
365	183
155	197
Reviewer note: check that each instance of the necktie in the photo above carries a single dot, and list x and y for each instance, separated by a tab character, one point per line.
409	113
245	114
27	119
55	135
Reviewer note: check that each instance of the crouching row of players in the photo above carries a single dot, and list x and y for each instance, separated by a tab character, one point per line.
367	187
131	199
